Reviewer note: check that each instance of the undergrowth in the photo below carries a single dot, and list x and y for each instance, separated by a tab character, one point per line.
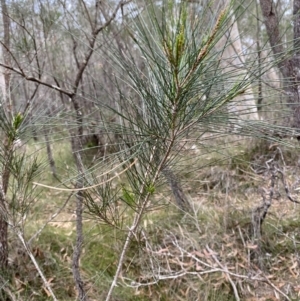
205	255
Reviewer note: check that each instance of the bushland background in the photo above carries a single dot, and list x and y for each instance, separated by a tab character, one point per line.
149	150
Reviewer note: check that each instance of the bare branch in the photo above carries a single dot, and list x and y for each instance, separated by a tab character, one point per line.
34	79
112	17
34	45
92	43
8	50
88	14
236	294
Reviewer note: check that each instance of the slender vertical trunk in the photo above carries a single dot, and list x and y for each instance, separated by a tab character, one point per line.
296	62
7	146
289	67
3	235
6	55
3	240
75	142
259	61
296	21
4	180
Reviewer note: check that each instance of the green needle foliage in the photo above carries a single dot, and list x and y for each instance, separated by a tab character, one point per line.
181	86
172	86
176	87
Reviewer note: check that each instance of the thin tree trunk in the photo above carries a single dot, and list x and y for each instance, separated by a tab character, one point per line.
7	146
3	234
6	55
3	240
4	180
5	172
259	60
29	107
75	141
288	67
2	79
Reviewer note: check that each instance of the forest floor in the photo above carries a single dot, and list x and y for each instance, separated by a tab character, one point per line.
222	250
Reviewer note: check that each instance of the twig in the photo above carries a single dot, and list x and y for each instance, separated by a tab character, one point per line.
211	269
26	247
286	187
131	231
264	279
276	288
6	289
88	187
92	42
176	275
236	294
34	79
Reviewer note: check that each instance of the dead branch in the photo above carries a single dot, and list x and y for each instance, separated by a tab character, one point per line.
36	80
236	294
180	262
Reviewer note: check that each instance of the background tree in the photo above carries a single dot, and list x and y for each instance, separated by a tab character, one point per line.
289	67
35	44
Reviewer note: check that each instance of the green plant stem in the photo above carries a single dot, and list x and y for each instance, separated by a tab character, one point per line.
139	214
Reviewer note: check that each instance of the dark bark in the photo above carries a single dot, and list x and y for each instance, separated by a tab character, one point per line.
7	145
3	206
3	230
3	237
259	63
289	67
296	23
